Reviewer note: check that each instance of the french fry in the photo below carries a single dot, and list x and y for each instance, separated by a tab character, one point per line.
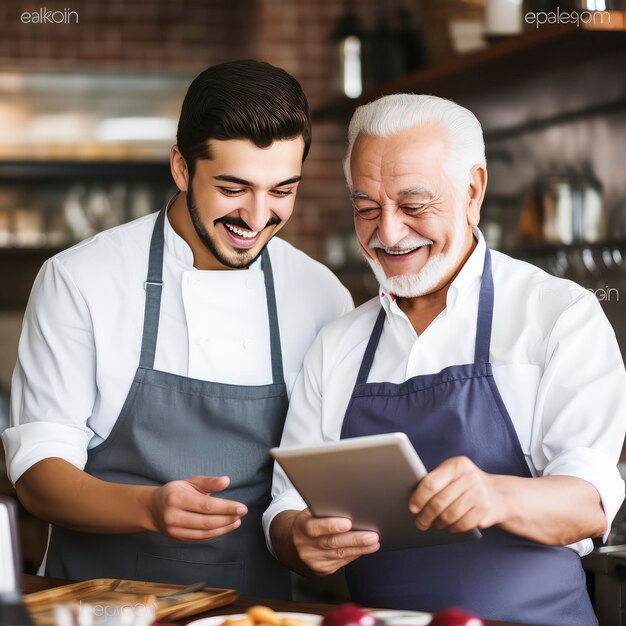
292	621
246	621
263	615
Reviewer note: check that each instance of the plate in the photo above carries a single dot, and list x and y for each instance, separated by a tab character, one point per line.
403	618
216	620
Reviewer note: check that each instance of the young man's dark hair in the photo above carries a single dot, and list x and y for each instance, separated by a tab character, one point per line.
242	100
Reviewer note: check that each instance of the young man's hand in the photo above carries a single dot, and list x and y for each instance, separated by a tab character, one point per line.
185	510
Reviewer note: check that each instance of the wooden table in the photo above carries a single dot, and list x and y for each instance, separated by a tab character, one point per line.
37	583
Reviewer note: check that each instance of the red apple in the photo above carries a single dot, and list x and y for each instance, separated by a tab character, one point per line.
349	615
456	617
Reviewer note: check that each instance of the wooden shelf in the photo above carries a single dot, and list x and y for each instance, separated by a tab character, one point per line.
19	265
550	249
544	50
40	172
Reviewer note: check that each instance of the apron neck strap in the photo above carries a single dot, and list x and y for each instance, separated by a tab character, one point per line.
278	376
485	312
483	325
154	288
370	351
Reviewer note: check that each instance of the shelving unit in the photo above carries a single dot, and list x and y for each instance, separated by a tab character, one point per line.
19	264
549	249
545	50
61	171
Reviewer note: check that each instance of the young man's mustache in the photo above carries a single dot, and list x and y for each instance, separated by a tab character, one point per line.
239	223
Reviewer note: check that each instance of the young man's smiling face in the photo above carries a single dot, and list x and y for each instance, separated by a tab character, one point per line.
241	197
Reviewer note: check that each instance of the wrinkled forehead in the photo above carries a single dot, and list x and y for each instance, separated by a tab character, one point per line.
415	154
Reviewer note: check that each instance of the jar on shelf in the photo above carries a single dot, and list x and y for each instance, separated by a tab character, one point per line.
593	218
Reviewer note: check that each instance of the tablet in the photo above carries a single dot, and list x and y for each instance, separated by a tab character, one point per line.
368	480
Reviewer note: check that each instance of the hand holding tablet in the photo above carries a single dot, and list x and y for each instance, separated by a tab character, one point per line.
368	480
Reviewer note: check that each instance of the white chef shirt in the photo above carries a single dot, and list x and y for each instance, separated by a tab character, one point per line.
81	337
555	360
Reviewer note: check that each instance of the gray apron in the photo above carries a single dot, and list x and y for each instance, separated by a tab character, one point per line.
172	427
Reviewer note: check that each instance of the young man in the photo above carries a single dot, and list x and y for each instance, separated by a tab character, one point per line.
156	358
508	382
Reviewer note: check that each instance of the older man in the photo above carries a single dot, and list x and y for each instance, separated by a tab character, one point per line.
509	383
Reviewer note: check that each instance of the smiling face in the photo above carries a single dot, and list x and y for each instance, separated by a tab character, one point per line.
412	227
241	197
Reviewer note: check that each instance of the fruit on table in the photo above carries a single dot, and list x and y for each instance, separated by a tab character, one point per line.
349	615
455	617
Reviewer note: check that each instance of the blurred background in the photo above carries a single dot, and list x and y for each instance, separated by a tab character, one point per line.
90	93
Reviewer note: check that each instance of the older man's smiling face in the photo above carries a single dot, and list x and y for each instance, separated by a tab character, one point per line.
408	220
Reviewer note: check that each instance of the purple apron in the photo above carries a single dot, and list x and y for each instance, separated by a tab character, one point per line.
459	412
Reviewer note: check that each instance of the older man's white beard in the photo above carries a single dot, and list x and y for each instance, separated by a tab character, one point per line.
427	279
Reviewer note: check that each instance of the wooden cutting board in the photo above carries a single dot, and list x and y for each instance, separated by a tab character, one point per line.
105	591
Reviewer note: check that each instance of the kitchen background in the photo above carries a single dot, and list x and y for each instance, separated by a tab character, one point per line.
90	96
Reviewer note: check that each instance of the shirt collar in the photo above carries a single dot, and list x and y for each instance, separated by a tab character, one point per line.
177	247
468	278
471	272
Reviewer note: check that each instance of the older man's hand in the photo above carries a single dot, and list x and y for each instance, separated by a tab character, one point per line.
326	544
459	496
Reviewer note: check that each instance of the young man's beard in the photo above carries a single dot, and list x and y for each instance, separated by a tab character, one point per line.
245	257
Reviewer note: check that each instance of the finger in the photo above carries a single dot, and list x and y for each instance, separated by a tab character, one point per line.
209	484
194	502
184	520
348	540
204	535
469	521
456	511
319	526
437	480
439	503
349	554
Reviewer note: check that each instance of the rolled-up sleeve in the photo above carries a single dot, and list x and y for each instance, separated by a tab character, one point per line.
287	499
53	388
581	403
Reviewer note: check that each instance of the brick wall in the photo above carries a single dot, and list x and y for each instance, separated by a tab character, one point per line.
297	36
128	34
189	35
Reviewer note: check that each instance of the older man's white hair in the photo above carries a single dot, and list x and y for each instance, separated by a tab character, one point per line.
391	114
